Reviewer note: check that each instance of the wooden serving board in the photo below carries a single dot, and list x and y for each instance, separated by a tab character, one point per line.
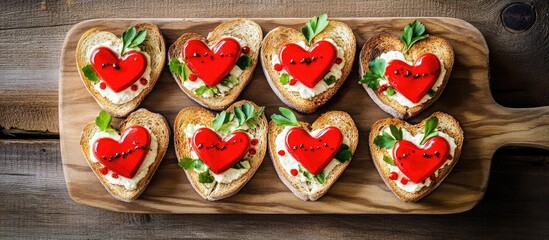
360	189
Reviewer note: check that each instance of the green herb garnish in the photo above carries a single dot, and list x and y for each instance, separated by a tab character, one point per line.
431	93
412	33
376	70
286	119
305	173
131	38
239	165
229	80
90	74
103	121
179	69
343	154
320	178
330	80
222	121
388	160
314	27
243	62
205	89
430	129
205	177
245	114
390	91
386	140
284	78
190	163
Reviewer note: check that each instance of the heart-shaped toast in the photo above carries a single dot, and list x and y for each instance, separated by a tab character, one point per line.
403	77
306	74
125	162
309	160
220	153
213	71
119	81
414	159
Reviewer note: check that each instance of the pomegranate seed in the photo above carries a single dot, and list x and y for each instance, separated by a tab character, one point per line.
393	176
114	175
104	170
254	142
383	87
252	151
134	88
293	81
404	181
293	172
143	81
278	67
245	49
103	85
193	77
281	153
338	60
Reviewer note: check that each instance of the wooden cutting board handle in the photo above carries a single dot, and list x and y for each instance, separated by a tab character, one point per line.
528	127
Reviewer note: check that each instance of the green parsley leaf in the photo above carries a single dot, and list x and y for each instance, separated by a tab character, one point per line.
284	78
131	38
286	119
204	89
396	132
314	27
243	62
90	74
320	178
179	69
330	80
229	81
245	114
385	140
305	173
376	70
190	163
239	165
205	177
430	129
388	160
431	93
103	121
343	154
240	116
412	33
222	119
390	91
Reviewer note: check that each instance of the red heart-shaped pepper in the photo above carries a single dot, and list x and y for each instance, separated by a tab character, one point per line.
220	154
413	82
314	152
124	156
420	163
118	73
308	67
211	66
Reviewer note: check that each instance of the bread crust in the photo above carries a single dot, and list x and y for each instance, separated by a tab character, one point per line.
339	119
158	127
342	35
241	28
198	115
447	124
153	45
384	42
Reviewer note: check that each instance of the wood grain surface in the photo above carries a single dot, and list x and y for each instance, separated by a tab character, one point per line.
34	202
360	189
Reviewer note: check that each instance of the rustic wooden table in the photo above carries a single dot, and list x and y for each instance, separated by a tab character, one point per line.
33	197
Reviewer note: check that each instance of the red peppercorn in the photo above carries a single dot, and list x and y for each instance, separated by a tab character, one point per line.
252	151
281	153
293	172
338	60
293	81
104	170
103	85
134	88
193	77
278	67
254	142
393	176
245	49
404	181
143	81
114	175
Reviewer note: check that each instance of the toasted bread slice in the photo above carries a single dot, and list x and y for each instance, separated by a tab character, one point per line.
244	29
446	124
384	42
153	45
339	119
342	35
198	115
157	125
